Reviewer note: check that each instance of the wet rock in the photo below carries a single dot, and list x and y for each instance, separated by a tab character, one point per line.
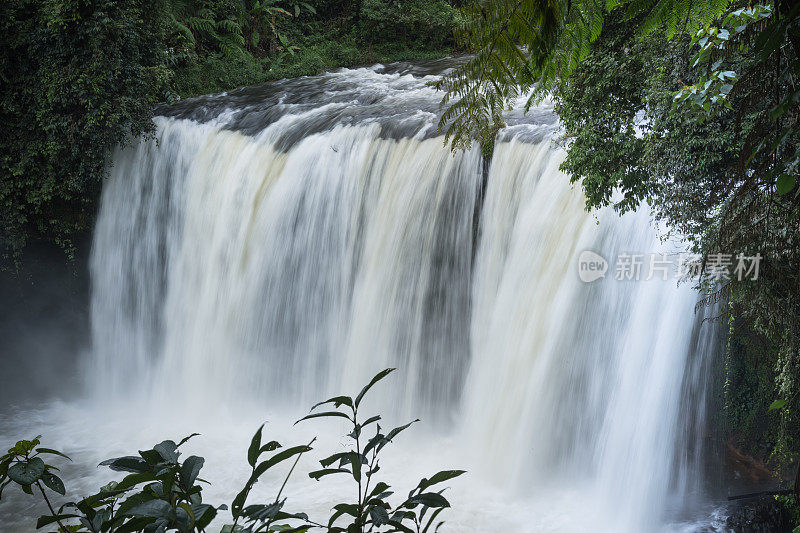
764	515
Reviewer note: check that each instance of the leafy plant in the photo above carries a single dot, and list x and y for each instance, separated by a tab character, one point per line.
715	84
160	492
24	466
262	517
262	18
371	509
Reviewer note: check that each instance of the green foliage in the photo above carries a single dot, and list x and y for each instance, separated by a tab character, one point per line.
372	509
161	492
529	47
231	29
425	23
79	78
714	86
599	110
777	404
509	40
771	36
792	509
23	465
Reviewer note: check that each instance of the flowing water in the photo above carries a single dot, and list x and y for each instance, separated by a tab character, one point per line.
277	245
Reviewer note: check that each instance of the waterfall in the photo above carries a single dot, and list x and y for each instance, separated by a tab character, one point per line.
282	244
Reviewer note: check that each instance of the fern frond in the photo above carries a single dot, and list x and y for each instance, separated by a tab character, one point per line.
202	25
229	26
182	30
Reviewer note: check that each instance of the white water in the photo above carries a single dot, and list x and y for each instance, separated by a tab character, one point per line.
243	273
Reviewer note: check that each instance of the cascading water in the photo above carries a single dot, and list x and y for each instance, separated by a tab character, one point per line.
278	245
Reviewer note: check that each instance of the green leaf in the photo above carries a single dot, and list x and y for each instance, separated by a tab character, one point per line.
399	526
134	525
134	501
168	450
49	519
378	515
54	482
255	447
238	501
432	518
152	509
430	499
151	456
185	439
204	514
190	469
271	446
277	458
52	452
379	376
328	461
370	420
323	415
336	401
127	464
393	433
355	463
22	447
379	488
347	508
777	404
440	477
317	474
785	183
132	480
27	473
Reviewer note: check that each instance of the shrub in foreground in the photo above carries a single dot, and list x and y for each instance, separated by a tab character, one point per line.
163	492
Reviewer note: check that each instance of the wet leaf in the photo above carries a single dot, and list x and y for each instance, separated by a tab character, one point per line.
27	473
379	376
